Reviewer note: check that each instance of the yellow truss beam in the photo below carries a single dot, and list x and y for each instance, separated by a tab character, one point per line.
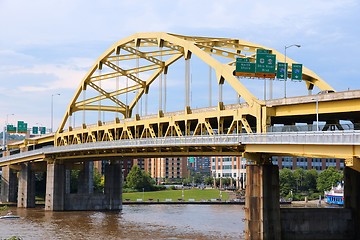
174	47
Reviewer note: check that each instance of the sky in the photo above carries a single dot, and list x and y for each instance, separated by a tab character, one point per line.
46	47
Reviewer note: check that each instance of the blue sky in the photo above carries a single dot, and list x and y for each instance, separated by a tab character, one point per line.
46	47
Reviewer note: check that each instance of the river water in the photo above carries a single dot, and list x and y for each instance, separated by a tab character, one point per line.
133	222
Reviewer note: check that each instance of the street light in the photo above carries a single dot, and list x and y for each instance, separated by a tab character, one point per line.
5	130
317	111
286	69
52	109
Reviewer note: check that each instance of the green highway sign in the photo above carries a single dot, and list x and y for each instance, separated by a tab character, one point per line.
242	60
280	71
244	67
265	64
262	51
42	130
22	127
296	73
10	129
35	130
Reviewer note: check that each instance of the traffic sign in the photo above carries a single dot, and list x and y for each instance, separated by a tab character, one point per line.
10	129
296	73
265	63
244	67
22	127
262	51
242	59
280	71
42	130
35	130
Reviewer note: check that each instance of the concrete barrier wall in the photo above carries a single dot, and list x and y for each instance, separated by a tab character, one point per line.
317	223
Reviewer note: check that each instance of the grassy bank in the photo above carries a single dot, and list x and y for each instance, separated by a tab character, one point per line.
196	194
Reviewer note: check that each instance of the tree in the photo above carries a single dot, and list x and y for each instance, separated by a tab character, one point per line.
209	181
198	178
225	182
98	181
186	181
74	176
138	179
310	180
328	178
286	181
299	176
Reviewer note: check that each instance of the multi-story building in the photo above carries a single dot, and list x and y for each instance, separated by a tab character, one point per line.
229	167
235	167
308	163
158	168
161	169
200	164
126	165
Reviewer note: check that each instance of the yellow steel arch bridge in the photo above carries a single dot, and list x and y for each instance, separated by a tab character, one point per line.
134	63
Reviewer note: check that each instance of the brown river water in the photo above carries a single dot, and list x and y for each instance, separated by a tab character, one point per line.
133	222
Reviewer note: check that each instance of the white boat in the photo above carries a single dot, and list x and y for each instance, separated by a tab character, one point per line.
335	195
9	216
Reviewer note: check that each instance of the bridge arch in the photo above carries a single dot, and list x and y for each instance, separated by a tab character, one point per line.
154	53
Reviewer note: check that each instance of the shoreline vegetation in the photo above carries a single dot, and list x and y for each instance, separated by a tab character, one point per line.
188	196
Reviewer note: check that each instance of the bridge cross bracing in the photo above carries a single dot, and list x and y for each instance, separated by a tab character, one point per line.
123	74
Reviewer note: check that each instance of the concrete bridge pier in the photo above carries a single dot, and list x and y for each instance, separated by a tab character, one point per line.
262	207
26	188
86	179
8	185
113	186
55	186
352	196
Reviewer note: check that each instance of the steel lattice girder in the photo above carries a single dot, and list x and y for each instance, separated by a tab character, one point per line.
174	47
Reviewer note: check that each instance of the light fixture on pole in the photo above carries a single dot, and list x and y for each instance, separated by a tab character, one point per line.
286	69
317	113
5	130
52	109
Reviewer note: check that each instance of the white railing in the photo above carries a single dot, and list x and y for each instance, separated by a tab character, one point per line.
317	137
313	138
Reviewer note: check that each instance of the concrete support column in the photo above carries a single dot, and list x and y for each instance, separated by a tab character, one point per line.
55	187
352	195
67	181
26	188
8	185
86	178
262	207
113	186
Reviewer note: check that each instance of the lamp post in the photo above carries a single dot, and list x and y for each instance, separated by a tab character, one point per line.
52	109
5	130
317	113
286	69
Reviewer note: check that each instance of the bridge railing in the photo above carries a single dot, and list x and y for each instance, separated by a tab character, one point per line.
317	137
313	127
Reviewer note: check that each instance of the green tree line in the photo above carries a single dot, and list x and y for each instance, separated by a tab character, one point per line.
300	183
